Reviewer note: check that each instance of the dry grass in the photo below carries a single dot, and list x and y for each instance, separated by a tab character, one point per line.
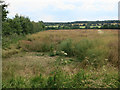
57	36
47	41
36	60
27	65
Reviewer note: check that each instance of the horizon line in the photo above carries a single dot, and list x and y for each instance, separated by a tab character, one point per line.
76	21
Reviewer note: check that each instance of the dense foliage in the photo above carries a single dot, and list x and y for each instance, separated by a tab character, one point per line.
17	27
4	11
111	24
21	25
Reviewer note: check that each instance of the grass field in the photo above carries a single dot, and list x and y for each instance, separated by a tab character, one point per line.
63	59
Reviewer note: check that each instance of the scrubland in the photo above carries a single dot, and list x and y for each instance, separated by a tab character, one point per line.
63	59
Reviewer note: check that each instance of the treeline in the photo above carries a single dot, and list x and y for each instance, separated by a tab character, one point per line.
96	22
21	25
81	22
15	29
107	26
110	24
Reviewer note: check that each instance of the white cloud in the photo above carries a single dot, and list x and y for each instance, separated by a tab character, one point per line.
34	6
47	18
98	18
98	5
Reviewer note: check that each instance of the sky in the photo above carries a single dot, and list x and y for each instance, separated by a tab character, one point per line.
64	10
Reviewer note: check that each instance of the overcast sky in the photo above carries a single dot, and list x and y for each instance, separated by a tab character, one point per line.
64	10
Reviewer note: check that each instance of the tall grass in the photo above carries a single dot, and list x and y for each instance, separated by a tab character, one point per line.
59	79
9	45
95	54
67	47
12	39
78	44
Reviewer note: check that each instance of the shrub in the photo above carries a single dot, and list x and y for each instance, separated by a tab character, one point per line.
66	46
11	39
96	56
36	46
63	61
80	48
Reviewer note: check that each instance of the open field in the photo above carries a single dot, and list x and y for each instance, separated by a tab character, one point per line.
63	59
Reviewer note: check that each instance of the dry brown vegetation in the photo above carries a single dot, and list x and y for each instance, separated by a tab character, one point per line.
67	50
50	41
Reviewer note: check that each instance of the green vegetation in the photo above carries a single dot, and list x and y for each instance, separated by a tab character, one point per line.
59	79
92	48
58	58
111	24
16	28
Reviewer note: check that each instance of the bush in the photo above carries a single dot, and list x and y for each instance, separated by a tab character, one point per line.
36	46
11	39
80	48
66	46
97	56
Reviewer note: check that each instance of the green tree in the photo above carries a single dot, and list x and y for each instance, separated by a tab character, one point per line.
6	29
27	26
4	10
38	26
42	26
